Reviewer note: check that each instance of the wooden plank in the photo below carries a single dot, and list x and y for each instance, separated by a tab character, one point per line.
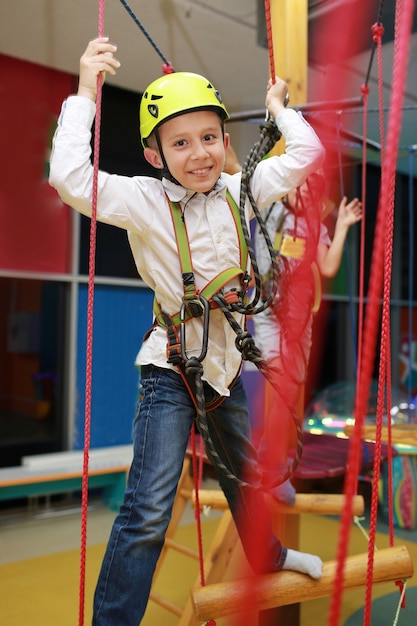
287	587
317	503
402	434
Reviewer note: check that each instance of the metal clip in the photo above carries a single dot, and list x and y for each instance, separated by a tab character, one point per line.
205	312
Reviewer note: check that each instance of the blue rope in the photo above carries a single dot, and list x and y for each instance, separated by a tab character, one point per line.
411	151
145	32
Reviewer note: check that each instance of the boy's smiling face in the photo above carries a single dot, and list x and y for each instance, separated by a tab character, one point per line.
194	149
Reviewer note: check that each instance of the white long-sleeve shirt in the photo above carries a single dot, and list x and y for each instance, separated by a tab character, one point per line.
139	205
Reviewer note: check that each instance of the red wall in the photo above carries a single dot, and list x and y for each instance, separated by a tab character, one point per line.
34	223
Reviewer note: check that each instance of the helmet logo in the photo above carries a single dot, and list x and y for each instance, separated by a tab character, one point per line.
153	110
218	96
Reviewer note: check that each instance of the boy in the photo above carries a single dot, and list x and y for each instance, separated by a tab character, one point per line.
181	123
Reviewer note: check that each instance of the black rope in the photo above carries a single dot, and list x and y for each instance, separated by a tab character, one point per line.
194	369
245	343
269	135
250	352
145	32
374	45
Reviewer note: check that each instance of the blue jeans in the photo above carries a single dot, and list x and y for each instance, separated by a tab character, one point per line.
161	431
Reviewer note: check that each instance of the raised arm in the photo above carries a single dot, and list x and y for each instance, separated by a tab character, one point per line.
98	57
330	258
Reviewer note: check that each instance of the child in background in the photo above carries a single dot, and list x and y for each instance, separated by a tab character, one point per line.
182	129
283	332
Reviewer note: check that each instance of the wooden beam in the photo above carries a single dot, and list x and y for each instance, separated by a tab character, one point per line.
405	434
317	503
287	587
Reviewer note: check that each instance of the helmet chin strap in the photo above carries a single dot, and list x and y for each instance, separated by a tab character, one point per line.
165	170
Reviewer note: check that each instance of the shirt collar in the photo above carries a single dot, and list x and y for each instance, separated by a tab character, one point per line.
177	193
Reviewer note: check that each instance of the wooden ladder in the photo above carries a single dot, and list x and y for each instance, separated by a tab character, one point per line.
285	522
217	557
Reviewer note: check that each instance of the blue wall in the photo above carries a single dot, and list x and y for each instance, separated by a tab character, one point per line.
122	315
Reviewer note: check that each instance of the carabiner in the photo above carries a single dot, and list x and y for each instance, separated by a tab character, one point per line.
206	317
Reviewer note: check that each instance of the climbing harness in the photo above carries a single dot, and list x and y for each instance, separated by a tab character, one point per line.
197	305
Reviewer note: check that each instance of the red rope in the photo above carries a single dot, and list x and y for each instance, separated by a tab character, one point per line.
365	93
402	37
270	39
377	33
384	215
89	348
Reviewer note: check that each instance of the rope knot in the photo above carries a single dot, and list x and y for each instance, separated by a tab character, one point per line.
168	68
193	366
364	90
246	345
377	31
400	585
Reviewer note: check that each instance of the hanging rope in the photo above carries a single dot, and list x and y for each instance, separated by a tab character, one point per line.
411	152
355	443
361	286
345	246
385	209
89	340
167	66
270	39
384	375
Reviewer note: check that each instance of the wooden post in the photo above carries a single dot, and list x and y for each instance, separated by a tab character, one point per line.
290	38
289	22
289	19
283	588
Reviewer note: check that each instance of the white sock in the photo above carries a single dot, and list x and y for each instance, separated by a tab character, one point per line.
304	563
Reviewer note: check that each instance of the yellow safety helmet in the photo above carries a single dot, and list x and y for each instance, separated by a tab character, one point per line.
173	94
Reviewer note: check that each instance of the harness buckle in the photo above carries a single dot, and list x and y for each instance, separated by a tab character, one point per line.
204	311
232	296
246	280
195	307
